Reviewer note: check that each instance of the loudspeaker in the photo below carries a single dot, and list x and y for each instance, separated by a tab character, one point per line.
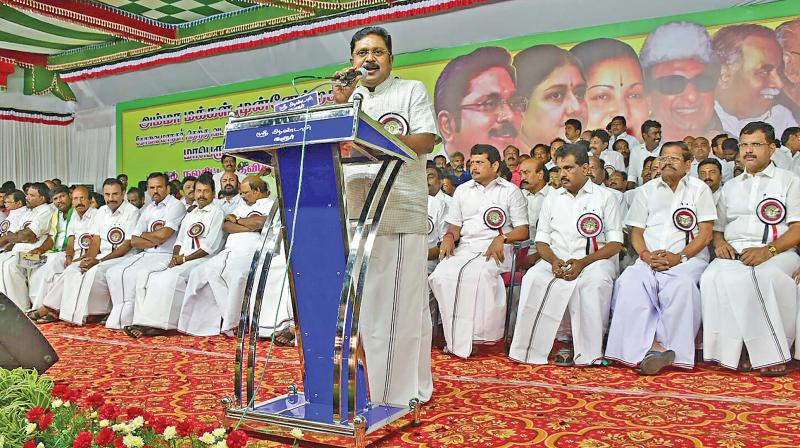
21	342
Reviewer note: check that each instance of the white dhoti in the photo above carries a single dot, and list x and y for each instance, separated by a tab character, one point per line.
14	280
215	292
543	301
159	296
754	306
471	297
122	280
43	278
395	321
664	306
83	294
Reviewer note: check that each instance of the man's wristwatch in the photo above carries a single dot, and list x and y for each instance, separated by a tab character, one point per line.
773	250
683	256
505	238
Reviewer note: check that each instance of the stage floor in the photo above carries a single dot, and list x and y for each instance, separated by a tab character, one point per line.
486	401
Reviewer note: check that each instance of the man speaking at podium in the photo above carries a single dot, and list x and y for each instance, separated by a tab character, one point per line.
395	326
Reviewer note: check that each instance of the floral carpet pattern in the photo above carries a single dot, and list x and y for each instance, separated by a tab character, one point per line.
486	401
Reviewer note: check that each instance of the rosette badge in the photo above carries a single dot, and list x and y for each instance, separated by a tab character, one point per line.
430	225
495	218
156	225
85	241
685	220
4	226
194	232
115	236
590	226
771	212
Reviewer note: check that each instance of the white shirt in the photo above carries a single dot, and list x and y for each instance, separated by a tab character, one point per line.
737	208
779	116
167	213
716	195
472	201
218	176
613	159
228	205
444	197
782	158
13	220
403	107
549	165
38	221
185	203
437	226
727	168
80	227
535	201
636	162
201	229
654	208
115	227
632	142
560	215
248	240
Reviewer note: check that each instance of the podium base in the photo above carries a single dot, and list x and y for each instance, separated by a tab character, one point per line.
292	417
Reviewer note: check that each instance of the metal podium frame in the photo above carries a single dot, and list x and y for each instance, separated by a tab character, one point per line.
352	417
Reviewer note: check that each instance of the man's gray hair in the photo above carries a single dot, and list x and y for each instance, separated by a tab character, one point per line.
786	28
675	40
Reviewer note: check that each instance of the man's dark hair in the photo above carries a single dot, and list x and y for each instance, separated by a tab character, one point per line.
226	156
440	157
9	186
572	149
121	175
453	82
136	191
731	144
559	139
58	189
728	41
648	159
620	140
755	126
206	179
717	138
18	196
505	173
174	187
575	123
190	178
439	173
158	174
540	145
56	181
101	201
788	133
42	189
364	32
553	170
621	118
490	151
687	154
602	135
649	124
117	182
710	161
26	185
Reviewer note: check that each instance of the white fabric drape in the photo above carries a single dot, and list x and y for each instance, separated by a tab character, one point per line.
35	152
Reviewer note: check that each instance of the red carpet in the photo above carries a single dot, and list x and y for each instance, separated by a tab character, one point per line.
486	401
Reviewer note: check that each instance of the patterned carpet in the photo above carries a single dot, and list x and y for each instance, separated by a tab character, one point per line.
486	401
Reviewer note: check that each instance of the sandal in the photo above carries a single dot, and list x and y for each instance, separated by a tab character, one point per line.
133	331
564	358
654	361
284	338
46	319
769	373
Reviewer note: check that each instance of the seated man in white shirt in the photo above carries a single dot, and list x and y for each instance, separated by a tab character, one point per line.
612	160
578	236
437	210
710	172
488	214
155	235
160	296
14	201
657	308
29	233
749	297
701	150
229	194
81	293
534	187
78	241
188	192
215	290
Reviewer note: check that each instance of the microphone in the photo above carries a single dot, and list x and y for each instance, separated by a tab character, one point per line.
348	77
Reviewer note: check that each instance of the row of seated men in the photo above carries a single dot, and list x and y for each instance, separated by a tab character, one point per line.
651	313
173	265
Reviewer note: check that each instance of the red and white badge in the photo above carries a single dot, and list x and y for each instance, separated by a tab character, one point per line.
430	225
194	232
771	212
684	219
156	225
26	224
495	218
4	226
254	213
590	225
85	241
115	236
394	123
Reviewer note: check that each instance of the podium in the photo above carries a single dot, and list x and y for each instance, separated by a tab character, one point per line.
327	265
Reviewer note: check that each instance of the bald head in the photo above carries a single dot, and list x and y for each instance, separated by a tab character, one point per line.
254	188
